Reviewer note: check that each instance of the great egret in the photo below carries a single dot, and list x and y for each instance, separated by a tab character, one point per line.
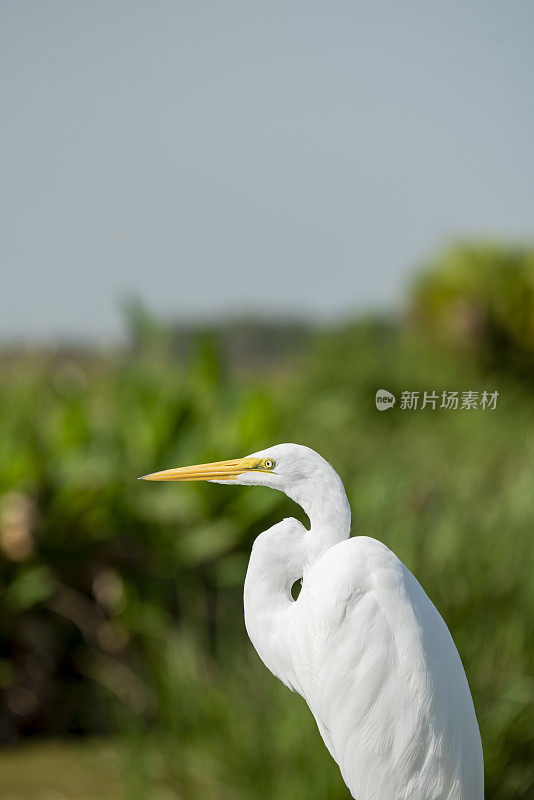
362	644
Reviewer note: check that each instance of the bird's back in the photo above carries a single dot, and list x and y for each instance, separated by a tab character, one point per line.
380	671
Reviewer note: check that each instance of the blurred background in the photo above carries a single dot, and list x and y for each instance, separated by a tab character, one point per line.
227	225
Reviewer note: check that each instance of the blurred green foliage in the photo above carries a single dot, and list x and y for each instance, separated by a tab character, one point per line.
481	297
121	602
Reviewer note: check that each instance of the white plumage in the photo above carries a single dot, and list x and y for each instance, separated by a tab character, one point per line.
362	644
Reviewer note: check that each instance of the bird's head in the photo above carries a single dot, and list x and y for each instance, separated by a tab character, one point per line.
286	467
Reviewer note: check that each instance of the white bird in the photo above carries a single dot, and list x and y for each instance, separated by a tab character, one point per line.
363	644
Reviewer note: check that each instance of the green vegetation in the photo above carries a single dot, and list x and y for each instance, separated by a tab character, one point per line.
481	299
121	602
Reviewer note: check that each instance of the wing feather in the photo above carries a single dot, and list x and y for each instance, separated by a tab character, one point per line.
382	676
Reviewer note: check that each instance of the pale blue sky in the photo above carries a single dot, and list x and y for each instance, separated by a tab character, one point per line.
262	157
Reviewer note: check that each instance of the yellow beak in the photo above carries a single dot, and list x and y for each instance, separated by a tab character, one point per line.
216	471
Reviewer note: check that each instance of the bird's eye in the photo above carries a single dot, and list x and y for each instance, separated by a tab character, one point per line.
268	463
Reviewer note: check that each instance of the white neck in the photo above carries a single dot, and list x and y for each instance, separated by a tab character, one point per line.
282	555
328	510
